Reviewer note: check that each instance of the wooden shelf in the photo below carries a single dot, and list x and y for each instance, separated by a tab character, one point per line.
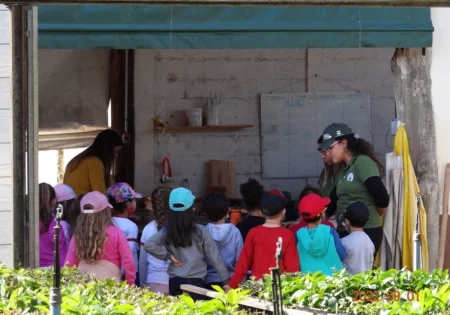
194	128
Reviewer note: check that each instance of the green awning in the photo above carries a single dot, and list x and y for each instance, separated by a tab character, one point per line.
228	27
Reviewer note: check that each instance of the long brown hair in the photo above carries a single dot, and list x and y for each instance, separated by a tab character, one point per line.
160	205
46	195
358	146
102	148
330	172
90	234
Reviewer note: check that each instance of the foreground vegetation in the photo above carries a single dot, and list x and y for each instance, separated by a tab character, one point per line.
373	292
26	291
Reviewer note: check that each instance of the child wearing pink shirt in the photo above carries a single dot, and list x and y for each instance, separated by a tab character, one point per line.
47	223
98	247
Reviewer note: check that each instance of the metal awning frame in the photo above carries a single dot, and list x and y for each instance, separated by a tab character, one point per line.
359	3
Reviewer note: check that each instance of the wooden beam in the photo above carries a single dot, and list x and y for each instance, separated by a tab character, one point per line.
124	171
358	3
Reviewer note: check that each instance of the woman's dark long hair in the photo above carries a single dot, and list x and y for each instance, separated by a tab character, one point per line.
358	146
46	195
180	227
103	148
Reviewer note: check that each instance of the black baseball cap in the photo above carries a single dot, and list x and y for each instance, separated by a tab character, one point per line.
333	131
272	204
357	213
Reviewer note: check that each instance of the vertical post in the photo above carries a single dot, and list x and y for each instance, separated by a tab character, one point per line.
18	132
55	291
417	261
277	294
412	89
60	175
33	135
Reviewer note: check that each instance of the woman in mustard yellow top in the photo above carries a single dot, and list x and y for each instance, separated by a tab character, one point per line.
90	170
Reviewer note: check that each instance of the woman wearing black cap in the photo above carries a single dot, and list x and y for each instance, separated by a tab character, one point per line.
328	174
359	180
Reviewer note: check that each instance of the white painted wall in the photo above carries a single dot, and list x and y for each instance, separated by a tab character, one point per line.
440	74
6	222
169	81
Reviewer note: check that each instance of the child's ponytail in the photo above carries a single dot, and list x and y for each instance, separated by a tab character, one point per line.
160	205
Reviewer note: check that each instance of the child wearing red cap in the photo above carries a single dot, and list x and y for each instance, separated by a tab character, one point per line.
97	246
319	246
305	192
258	254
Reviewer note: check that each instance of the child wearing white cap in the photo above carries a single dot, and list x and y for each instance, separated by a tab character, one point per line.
98	247
186	244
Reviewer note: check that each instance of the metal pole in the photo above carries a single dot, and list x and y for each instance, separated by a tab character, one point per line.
33	135
18	133
55	291
277	295
417	262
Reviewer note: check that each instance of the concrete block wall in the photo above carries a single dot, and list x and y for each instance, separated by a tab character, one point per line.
169	82
6	222
82	97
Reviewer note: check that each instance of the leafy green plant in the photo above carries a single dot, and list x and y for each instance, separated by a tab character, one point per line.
372	292
26	291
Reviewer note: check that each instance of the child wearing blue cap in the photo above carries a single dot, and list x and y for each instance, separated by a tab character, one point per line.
186	244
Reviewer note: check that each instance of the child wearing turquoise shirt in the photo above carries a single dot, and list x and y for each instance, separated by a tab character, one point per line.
318	245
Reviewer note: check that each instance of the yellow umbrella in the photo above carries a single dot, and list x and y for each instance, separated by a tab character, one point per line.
411	191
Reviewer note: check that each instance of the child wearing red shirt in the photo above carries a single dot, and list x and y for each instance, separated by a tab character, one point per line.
305	192
258	253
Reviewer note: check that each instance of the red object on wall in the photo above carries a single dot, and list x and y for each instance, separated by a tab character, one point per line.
163	167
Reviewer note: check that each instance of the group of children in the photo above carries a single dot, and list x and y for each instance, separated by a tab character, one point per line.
96	235
98	238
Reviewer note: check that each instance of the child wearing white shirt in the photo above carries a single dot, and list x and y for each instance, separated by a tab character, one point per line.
122	197
153	271
359	247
